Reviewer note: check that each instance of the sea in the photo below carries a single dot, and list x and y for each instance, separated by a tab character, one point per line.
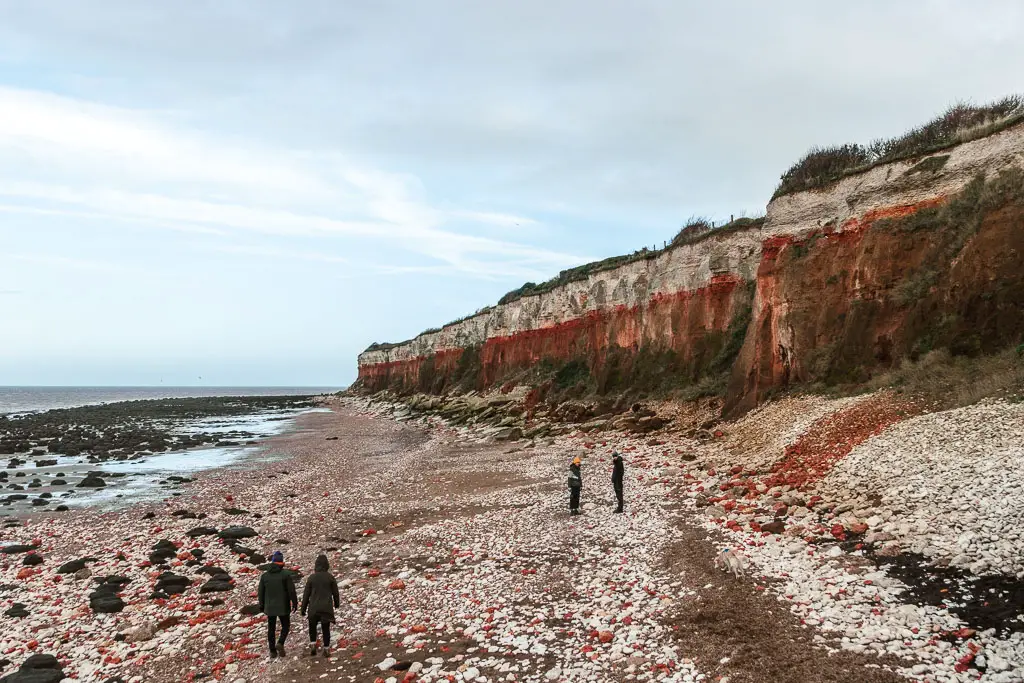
142	478
31	399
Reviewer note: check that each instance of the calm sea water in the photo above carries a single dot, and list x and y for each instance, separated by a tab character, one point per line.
145	478
25	399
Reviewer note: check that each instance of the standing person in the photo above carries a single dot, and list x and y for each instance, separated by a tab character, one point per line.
319	600
277	599
575	486
618	472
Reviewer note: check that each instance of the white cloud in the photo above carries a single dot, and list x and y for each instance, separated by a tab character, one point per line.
79	159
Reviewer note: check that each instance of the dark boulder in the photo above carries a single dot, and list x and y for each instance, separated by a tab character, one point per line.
74	565
163	551
17	611
92	482
32	560
217	585
37	669
105	603
201	531
237	533
17	548
210	571
170	583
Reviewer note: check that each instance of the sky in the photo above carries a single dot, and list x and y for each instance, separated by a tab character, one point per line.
250	192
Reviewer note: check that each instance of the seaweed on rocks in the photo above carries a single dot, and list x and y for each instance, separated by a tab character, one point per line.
982	602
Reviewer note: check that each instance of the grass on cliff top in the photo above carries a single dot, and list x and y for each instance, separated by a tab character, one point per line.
695	230
960	123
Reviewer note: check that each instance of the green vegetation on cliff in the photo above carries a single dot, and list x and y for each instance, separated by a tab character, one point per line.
958	124
695	230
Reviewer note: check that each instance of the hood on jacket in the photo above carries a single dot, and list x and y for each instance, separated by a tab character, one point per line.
321	564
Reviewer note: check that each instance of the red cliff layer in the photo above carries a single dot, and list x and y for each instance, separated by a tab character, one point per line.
838	306
689	325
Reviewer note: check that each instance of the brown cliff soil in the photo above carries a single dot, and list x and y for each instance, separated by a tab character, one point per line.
837	307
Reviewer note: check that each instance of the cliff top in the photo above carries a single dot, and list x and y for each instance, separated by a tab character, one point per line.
960	123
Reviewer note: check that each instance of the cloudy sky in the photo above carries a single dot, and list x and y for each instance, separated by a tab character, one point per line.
252	191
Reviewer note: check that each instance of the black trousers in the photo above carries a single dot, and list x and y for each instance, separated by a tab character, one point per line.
286	624
325	627
574	499
618	493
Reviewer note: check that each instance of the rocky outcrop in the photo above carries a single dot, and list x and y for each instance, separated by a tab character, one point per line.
834	285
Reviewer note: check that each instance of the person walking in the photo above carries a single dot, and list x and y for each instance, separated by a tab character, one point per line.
618	473
319	600
575	486
277	599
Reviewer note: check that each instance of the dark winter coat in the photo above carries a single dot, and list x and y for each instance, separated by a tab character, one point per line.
618	469
276	594
320	597
575	475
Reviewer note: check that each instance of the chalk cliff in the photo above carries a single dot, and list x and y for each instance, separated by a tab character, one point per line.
836	283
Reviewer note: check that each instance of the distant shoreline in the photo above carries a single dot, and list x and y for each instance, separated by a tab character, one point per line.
62	457
22	399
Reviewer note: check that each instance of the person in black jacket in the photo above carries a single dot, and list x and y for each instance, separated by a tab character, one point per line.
277	599
319	600
575	486
618	472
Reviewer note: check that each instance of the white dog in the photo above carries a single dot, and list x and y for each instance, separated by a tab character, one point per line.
730	560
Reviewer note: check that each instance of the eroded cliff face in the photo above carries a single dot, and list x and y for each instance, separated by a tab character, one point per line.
836	284
891	263
680	303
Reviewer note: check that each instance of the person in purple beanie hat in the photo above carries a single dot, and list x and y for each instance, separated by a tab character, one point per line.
277	599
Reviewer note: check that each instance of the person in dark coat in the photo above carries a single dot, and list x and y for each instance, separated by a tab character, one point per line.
575	486
277	599
618	472
319	600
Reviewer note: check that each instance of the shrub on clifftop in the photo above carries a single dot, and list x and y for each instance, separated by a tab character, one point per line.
960	123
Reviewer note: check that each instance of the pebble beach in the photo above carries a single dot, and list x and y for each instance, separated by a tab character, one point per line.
457	559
